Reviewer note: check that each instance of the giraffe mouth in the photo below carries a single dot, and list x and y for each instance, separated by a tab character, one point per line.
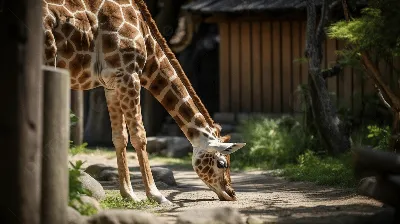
227	194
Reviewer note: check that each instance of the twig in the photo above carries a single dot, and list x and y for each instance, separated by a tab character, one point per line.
334	71
383	98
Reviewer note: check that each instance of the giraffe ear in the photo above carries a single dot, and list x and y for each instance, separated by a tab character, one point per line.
225	148
225	138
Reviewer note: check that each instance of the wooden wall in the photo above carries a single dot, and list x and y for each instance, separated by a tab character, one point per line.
260	71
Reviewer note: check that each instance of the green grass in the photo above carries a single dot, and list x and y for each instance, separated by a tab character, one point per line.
114	200
328	171
82	149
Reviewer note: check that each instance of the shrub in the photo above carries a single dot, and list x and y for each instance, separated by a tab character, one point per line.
76	190
323	170
271	143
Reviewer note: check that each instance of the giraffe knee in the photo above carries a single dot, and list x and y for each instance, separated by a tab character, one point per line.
139	142
120	140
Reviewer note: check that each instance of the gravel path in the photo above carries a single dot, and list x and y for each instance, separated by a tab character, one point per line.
259	193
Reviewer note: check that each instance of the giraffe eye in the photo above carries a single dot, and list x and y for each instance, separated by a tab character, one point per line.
222	164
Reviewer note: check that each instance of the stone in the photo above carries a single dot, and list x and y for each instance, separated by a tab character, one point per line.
253	220
156	144
122	216
108	175
95	169
93	186
89	200
177	147
220	215
164	175
74	217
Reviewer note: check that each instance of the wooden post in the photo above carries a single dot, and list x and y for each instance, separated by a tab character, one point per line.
55	145
21	53
77	109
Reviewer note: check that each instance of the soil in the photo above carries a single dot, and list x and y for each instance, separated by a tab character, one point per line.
260	194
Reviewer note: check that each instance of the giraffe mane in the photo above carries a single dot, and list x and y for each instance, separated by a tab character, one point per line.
174	62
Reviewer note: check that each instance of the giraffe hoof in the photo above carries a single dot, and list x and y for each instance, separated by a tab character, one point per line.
161	200
131	197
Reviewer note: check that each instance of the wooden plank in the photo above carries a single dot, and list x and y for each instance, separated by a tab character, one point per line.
304	65
256	66
347	83
331	61
224	68
276	67
245	76
235	66
287	90
266	66
296	65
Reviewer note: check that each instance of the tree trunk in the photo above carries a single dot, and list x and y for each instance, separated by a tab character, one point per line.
331	130
77	109
21	112
98	126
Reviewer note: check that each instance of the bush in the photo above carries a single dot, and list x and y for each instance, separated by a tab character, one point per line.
76	190
272	143
322	170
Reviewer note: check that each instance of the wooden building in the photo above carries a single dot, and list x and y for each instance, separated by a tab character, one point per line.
261	46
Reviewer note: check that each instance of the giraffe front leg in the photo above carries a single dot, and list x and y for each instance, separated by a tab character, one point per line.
129	96
120	141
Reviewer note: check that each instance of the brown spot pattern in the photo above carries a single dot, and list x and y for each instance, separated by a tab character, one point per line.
170	101
128	31
67	29
84	77
110	43
74	5
187	110
113	61
91	5
158	84
110	17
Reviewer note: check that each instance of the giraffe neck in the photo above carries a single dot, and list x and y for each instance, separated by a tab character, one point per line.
165	79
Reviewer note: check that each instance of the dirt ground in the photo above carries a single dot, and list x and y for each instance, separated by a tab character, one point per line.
259	193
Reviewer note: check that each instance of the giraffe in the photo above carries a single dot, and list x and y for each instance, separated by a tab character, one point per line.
116	45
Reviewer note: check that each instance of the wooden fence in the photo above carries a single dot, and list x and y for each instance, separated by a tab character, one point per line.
260	68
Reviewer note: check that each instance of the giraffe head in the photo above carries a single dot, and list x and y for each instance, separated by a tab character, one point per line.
211	161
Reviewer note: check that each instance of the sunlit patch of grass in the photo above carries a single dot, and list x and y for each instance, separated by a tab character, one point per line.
82	149
114	200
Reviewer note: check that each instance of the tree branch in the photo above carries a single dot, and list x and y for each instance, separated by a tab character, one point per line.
382	98
331	72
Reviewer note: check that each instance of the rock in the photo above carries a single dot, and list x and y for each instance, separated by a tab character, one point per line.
253	220
119	216
74	217
222	215
95	169
177	147
164	175
93	186
108	175
169	146
89	200
156	144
